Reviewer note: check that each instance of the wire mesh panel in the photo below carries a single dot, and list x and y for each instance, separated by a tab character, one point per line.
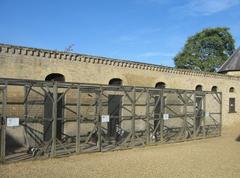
190	111
155	104
141	126
16	129
175	111
50	119
213	114
120	129
67	115
90	103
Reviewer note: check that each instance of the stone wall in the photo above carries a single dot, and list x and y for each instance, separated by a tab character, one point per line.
31	63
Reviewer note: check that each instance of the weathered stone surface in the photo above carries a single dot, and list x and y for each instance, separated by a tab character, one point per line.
30	63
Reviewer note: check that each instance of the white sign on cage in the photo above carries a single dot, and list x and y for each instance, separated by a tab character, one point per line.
165	116
105	118
13	122
207	114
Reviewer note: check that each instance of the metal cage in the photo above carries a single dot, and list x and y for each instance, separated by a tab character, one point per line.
49	119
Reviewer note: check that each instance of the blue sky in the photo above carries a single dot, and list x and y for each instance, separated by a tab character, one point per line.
151	31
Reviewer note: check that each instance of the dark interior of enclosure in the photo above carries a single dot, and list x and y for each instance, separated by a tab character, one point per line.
114	109
199	111
47	127
48	105
199	107
157	111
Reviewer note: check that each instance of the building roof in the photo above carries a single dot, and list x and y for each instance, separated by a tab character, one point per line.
232	64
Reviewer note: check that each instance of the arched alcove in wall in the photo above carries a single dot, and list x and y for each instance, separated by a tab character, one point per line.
231	89
55	77
199	88
214	89
160	85
115	82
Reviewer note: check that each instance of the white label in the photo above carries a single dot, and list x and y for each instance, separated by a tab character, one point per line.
105	118
13	122
207	114
165	116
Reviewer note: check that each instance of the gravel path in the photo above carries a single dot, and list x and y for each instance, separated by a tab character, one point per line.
215	157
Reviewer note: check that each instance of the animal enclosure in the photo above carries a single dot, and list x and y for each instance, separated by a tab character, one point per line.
42	119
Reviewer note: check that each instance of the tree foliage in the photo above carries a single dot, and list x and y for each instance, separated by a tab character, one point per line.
206	50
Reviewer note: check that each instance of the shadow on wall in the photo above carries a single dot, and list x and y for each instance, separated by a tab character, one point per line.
238	138
12	144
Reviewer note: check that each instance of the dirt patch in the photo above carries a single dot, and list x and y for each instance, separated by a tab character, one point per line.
215	157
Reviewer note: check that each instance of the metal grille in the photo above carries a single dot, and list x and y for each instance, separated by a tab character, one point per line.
57	119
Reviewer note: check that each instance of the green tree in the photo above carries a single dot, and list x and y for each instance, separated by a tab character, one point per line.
206	50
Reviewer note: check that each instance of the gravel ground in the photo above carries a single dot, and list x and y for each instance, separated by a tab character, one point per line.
215	157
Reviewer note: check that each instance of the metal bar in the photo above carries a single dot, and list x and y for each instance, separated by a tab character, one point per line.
147	117
54	117
37	92
162	110
3	123
63	94
133	116
78	120
99	110
26	94
195	115
204	116
143	90
221	102
185	112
